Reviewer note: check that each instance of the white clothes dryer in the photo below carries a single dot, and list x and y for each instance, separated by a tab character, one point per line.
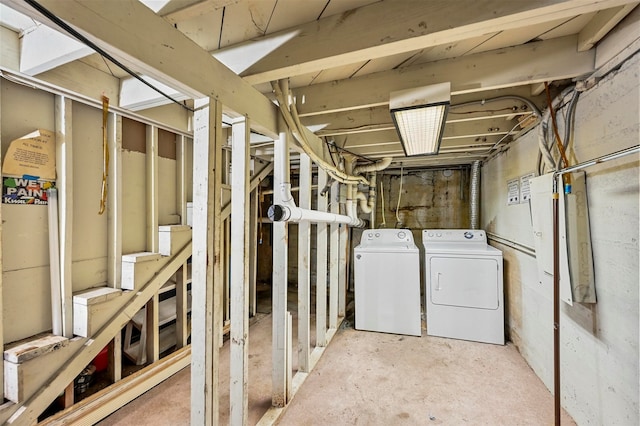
464	296
387	282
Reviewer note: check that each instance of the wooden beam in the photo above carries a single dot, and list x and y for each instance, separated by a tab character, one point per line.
408	26
547	60
601	24
64	183
321	265
342	269
206	276
43	48
239	358
304	272
160	51
280	365
114	202
182	323
152	191
152	335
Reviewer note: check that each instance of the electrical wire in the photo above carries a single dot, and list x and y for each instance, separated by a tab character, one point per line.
399	194
47	13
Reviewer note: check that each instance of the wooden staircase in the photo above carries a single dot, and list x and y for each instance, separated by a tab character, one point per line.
39	369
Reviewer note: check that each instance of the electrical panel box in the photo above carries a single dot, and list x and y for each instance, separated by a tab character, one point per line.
577	278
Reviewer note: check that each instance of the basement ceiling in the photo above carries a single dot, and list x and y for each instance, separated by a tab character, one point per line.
343	57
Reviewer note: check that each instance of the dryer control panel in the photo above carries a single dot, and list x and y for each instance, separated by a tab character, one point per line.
454	236
386	237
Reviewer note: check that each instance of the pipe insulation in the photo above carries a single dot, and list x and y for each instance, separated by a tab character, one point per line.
284	208
475	195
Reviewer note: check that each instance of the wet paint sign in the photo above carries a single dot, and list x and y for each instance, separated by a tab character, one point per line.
25	191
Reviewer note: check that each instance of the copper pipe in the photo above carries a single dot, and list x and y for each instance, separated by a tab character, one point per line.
556	305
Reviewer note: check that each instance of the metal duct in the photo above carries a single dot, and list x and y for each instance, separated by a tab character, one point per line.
475	194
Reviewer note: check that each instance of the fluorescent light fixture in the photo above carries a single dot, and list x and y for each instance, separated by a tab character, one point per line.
419	115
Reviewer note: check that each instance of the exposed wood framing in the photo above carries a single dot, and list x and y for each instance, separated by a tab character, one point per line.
182	324
529	63
255	181
160	51
601	24
64	183
304	272
152	335
343	250
114	202
334	259
321	265
253	252
206	263
28	412
239	358
280	365
181	178
152	192
115	358
101	404
432	24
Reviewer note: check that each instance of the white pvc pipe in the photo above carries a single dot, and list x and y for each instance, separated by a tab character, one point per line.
284	208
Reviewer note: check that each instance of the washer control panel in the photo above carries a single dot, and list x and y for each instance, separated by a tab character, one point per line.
454	235
383	237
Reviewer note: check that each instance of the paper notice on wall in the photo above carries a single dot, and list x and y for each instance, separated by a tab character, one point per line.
513	191
32	156
25	191
525	189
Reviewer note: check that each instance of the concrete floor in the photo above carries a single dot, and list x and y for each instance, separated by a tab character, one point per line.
369	378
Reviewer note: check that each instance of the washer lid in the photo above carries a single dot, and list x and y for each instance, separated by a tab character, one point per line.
396	239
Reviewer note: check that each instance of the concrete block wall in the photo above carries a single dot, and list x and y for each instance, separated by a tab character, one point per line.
599	343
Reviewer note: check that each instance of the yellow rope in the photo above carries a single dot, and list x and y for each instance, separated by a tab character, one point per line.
105	154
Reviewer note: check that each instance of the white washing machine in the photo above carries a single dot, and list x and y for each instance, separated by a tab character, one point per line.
387	282
464	286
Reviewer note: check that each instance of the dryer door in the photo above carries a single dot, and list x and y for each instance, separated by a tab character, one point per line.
464	282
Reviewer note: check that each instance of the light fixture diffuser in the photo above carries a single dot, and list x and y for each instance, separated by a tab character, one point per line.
419	115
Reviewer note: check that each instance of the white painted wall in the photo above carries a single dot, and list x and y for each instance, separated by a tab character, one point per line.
599	343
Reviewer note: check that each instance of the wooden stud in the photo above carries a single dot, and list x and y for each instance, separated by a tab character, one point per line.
181	178
321	265
68	395
279	287
334	258
64	183
115	358
304	273
342	268
152	191
239	276
114	202
182	325
152	342
206	263
253	253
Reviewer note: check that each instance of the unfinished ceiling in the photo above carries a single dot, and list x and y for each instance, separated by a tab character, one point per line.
343	58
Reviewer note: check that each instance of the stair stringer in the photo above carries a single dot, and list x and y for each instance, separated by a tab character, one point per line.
27	412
